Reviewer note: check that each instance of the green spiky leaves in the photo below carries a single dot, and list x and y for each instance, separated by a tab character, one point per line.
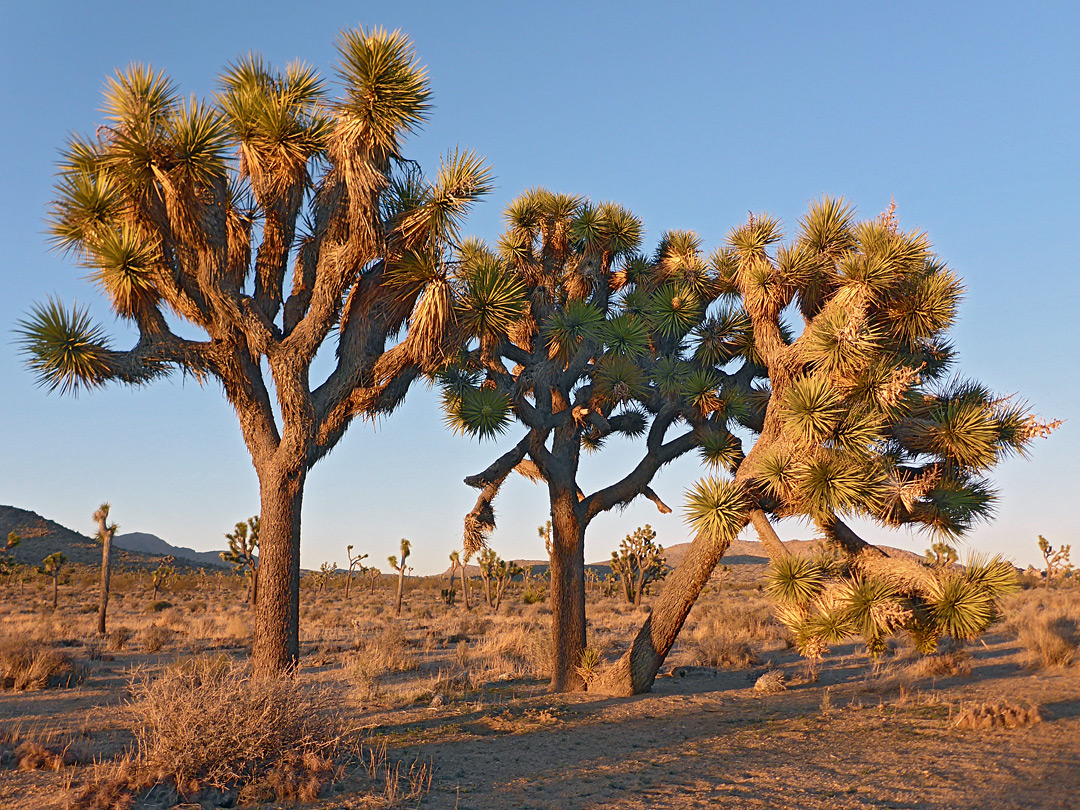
492	300
674	310
481	411
577	322
795	580
387	91
64	348
716	509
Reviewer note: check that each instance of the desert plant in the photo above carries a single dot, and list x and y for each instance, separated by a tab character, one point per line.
321	578
243	554
579	338
8	566
1051	639
356	563
1057	560
823	601
51	567
26	664
638	562
373	575
163	574
196	209
400	567
155	637
941	554
456	566
856	415
104	536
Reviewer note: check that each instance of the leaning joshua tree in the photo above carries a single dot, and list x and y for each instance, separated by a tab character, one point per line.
270	220
105	534
857	415
578	338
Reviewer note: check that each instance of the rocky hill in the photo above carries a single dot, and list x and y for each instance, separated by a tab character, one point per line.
147	543
40	537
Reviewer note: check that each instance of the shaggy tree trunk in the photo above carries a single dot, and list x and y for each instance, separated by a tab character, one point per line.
465	588
635	671
276	645
106	572
567	591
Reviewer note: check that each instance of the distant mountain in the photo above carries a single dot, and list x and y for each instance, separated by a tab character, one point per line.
40	537
152	544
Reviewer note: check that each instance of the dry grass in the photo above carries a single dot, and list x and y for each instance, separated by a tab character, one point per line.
26	664
1047	624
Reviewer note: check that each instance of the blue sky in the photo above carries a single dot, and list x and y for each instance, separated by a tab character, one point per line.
692	115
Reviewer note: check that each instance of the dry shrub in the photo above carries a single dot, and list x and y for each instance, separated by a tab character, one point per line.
943	665
771	682
725	636
205	723
155	637
513	648
33	755
119	637
26	665
1051	639
386	652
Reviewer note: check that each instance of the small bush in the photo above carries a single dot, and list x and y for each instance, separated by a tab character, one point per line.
721	640
1051	639
387	652
985	716
157	607
155	637
942	665
28	665
119	637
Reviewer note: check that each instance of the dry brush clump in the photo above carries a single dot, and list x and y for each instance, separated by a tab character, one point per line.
205	724
26	664
997	714
1047	625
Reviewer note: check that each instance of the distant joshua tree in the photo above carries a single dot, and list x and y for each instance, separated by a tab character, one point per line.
243	553
1057	560
456	565
638	562
400	567
8	565
941	554
373	575
163	574
51	567
497	575
355	564
104	536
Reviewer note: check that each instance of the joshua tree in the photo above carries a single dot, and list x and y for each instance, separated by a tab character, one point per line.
104	536
322	577
51	567
496	574
8	566
457	565
578	338
855	416
1057	561
243	553
373	575
406	547
162	574
941	554
355	563
192	210
638	562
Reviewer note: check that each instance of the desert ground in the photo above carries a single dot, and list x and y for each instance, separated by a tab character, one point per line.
447	708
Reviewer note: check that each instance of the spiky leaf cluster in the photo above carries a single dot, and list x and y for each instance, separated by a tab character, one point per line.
823	602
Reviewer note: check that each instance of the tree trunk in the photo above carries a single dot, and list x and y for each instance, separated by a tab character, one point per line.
276	644
55	580
106	572
635	671
400	586
774	546
465	588
253	587
567	591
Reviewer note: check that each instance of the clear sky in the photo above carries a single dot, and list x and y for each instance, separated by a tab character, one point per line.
691	115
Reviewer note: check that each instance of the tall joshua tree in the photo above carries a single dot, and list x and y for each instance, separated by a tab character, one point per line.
858	415
577	337
188	210
105	534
